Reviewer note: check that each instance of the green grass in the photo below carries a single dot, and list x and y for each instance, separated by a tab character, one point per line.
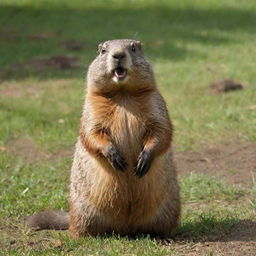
197	187
30	188
189	43
202	224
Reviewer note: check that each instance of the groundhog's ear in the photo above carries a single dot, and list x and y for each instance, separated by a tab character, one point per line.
139	44
100	47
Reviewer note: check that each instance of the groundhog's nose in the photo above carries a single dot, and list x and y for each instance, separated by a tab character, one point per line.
118	55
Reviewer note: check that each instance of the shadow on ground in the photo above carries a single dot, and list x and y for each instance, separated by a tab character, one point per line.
237	239
214	230
27	33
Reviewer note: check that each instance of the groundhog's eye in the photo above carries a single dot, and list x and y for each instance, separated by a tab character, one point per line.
103	51
133	48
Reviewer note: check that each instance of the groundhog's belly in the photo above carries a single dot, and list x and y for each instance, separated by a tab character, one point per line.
134	201
126	201
127	132
122	200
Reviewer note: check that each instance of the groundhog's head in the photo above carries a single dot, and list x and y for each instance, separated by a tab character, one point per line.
120	64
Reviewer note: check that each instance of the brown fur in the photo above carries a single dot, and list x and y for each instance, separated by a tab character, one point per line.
130	118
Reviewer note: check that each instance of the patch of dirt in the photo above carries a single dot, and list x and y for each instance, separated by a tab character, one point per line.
27	149
239	240
57	62
15	235
63	153
235	163
245	230
12	90
225	85
234	248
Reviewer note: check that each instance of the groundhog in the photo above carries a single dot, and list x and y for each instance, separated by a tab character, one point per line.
123	179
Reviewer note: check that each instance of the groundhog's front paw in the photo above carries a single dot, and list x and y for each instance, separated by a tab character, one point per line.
116	159
144	163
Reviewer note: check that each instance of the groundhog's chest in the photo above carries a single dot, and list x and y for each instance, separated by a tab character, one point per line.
127	126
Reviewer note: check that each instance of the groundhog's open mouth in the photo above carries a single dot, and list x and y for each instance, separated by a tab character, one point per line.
120	73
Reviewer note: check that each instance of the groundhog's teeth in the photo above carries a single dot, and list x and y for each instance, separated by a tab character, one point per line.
120	73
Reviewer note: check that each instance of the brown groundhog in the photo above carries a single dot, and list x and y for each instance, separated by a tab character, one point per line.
123	179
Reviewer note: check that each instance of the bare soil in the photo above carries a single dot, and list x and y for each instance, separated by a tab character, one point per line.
26	149
232	248
225	85
57	62
14	90
239	240
235	163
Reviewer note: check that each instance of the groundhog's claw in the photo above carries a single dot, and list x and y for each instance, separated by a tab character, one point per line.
116	159
144	163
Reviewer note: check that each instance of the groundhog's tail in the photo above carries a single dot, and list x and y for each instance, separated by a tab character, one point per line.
58	220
